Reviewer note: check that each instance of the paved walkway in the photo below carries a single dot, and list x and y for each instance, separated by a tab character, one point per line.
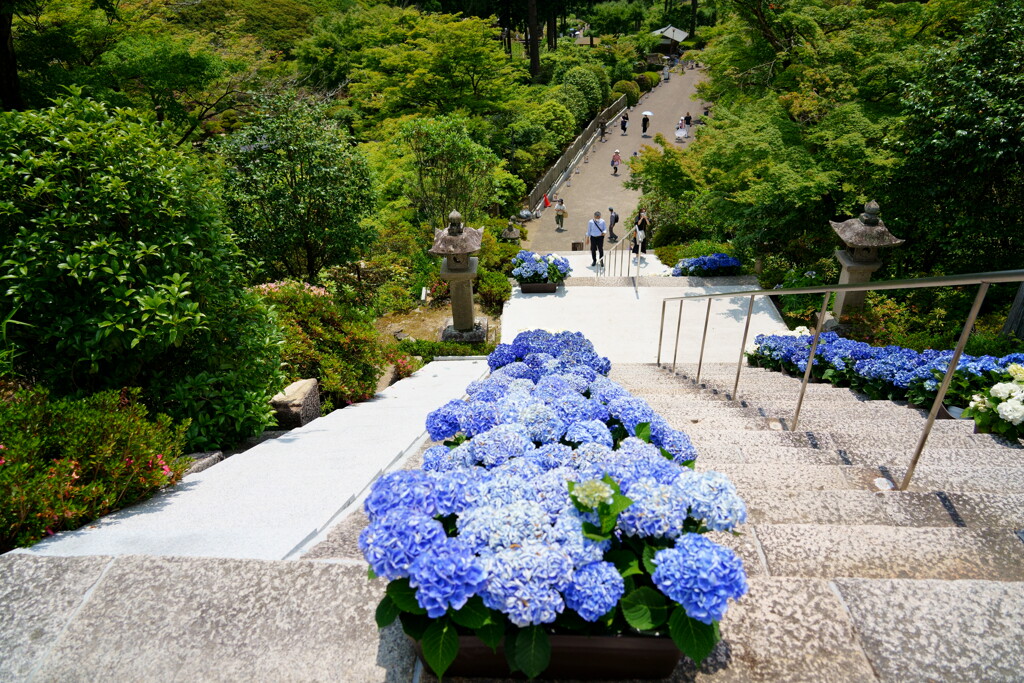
594	188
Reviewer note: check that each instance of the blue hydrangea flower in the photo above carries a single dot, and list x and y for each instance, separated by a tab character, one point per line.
701	576
595	590
631	412
713	498
446	575
502	355
500	443
658	510
526	583
542	423
391	543
589	431
478	417
497	527
444	422
404	489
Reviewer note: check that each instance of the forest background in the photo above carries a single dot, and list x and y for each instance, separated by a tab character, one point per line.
194	191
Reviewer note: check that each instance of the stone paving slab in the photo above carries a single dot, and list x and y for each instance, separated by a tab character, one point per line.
939	630
844	508
990	509
38	597
776	456
892	552
201	619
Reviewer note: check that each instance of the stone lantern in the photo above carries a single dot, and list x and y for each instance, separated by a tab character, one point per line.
456	243
863	237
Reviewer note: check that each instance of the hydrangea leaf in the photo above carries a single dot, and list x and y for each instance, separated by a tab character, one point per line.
649	563
440	646
387	612
644	608
370	574
404	596
491	634
625	561
473	614
643	431
696	640
510	652
414	625
533	650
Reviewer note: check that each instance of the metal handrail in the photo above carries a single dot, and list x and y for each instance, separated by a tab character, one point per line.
614	256
983	280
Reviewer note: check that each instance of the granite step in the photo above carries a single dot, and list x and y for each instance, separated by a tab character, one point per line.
894	508
847	439
868	457
765	476
876	551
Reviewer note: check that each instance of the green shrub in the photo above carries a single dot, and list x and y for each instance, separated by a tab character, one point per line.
630	89
428	350
335	345
601	74
119	263
643	82
587	83
654	77
65	462
493	290
773	270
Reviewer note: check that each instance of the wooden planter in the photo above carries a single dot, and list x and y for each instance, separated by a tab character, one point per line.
575	658
537	287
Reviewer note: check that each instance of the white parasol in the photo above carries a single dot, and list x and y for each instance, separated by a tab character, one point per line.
647	113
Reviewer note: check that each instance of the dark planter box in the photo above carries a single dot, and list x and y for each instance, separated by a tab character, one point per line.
537	287
575	658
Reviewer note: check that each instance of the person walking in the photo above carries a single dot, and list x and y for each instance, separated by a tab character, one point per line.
604	128
643	233
616	160
596	229
687	121
560	214
613	219
644	123
624	122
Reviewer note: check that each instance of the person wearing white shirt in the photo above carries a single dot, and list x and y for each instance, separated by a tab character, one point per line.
596	229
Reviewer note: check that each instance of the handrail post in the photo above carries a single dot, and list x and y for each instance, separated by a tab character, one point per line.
661	330
743	346
679	322
947	378
810	359
700	359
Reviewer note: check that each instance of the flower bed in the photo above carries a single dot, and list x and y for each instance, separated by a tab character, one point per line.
559	503
531	267
714	264
1000	408
891	372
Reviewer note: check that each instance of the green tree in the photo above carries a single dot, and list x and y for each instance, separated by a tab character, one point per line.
297	189
959	191
117	260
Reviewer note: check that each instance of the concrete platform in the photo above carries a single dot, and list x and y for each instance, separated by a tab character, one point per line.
623	324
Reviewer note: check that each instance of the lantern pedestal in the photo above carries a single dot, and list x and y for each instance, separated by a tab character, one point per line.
854	273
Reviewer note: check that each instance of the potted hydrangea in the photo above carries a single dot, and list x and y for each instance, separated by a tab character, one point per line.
536	273
703	266
558	527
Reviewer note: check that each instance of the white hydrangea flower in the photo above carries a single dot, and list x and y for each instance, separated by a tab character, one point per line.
592	492
1003	390
979	403
1012	411
1016	371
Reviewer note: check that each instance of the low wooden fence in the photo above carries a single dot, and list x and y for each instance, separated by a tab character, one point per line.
560	170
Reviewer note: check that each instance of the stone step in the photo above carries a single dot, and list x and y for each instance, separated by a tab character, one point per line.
874	551
884	462
849	439
763	476
893	508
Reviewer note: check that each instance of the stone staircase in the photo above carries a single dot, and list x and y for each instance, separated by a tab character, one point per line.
849	579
